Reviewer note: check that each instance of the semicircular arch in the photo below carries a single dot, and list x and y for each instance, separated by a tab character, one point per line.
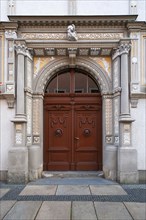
87	64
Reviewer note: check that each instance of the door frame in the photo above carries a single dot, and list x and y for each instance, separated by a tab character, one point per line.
110	109
73	102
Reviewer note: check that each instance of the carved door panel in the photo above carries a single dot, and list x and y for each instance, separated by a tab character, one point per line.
57	138
72	132
88	143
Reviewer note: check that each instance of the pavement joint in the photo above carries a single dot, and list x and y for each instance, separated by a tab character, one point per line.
122	202
135	193
128	210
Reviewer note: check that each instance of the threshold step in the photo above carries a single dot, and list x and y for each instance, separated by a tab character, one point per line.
72	174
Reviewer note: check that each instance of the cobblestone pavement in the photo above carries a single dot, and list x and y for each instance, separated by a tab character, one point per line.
73	199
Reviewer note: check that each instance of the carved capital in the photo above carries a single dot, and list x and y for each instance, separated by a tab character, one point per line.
28	54
117	90
20	47
10	34
124	47
115	53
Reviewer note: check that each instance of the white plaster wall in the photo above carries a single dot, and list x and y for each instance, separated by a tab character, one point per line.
6	133
3	10
103	7
139	132
42	7
83	7
141	10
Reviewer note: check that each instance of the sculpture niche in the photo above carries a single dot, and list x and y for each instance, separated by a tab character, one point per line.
71	33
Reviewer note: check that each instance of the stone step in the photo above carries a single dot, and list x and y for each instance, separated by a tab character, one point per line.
72	174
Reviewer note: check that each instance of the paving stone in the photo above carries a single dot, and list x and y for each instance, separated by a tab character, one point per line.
3	192
137	210
111	211
83	211
23	210
5	206
73	190
54	211
39	190
107	190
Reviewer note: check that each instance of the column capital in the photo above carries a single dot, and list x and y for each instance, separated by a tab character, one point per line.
20	47
124	47
10	34
116	53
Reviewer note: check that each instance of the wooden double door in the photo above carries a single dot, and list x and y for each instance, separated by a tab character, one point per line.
72	132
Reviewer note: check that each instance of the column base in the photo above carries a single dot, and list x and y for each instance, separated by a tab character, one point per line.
127	165
35	167
128	178
110	163
18	165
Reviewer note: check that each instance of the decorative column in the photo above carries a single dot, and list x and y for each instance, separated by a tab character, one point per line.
109	155
135	60
9	94
18	155
36	150
127	155
111	105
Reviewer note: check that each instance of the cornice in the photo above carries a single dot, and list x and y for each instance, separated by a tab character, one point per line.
78	20
8	25
136	26
66	44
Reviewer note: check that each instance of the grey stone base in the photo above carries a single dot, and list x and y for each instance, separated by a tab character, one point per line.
34	162
17	177
127	165
128	177
3	175
35	174
18	165
110	163
142	176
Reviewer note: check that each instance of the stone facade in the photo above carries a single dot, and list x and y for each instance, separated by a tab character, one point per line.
107	47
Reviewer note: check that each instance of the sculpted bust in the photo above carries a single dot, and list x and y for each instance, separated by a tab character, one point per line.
71	33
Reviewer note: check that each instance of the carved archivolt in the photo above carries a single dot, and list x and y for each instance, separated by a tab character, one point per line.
82	63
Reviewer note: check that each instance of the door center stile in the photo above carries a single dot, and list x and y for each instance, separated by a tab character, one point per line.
72	103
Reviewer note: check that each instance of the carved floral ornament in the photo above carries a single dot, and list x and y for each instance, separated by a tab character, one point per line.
21	48
9	34
124	47
79	36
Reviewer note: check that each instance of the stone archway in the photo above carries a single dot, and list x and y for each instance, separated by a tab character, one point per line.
109	150
83	63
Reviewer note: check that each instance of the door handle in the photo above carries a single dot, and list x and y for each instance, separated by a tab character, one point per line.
77	138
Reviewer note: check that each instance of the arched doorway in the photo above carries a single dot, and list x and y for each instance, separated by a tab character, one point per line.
72	122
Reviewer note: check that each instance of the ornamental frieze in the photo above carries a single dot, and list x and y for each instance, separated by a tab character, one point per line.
63	36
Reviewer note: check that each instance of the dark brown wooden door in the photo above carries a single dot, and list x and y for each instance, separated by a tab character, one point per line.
72	132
